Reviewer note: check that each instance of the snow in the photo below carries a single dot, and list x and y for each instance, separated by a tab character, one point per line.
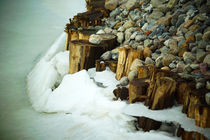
168	115
80	98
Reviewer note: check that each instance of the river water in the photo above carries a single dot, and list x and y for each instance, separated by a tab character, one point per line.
27	29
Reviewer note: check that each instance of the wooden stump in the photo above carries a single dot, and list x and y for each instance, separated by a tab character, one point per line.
161	90
101	65
138	90
185	135
84	54
121	92
126	56
93	4
202	116
148	124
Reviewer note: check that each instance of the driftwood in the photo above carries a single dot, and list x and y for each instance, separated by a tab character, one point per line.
101	65
93	4
84	54
161	90
74	34
138	90
185	135
121	92
202	113
148	124
126	56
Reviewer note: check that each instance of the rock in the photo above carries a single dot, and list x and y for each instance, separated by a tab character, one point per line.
207	98
133	36
202	44
194	66
203	68
120	37
147	43
100	32
187	68
128	35
136	64
199	85
115	12
131	4
140	48
206	36
124	81
207	60
95	39
173	46
198	36
166	20
132	74
106	56
107	30
200	55
121	29
181	19
156	15
208	48
140	38
180	67
115	56
148	60
188	55
208	85
186	76
156	3
164	49
147	52
158	61
128	24
172	65
172	3
165	68
111	4
167	59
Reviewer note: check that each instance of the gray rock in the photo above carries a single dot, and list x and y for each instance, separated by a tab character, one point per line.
128	24
207	98
188	55
107	30
200	55
207	60
106	56
199	85
186	76
198	36
206	36
158	62
100	32
172	65
95	39
115	12
208	48
120	37
147	43
208	85
121	29
156	3
131	4
194	66
133	36
164	49
155	56
124	81
132	74
148	60
127	35
187	68
140	38
156	15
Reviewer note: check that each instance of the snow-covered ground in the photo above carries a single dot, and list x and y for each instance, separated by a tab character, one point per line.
77	96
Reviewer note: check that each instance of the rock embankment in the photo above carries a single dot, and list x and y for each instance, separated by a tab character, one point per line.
159	50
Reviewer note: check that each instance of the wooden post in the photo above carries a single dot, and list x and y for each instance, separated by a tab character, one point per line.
126	56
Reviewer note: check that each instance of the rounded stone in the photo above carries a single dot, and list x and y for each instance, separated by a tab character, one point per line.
132	74
124	81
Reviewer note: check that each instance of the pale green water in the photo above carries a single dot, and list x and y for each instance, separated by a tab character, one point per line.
27	29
